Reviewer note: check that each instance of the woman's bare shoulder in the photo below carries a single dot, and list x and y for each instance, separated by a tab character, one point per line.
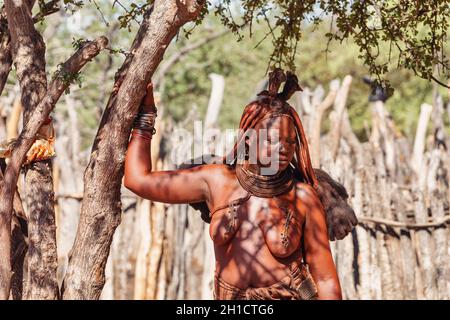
218	170
306	192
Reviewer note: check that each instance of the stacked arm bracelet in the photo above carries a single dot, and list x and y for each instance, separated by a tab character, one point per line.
144	124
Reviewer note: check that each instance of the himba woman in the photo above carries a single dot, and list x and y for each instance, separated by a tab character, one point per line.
269	229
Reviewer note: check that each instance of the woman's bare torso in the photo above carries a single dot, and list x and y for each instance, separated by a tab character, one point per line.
255	249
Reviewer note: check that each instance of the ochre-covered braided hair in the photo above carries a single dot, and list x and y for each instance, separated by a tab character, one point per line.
270	102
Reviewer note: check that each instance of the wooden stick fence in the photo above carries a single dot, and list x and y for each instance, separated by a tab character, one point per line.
399	189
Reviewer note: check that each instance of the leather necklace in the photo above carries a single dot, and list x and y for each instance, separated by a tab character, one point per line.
268	187
265	186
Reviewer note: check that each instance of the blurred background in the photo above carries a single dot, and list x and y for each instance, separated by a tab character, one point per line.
392	156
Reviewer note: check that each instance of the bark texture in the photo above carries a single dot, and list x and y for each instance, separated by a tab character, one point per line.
5	50
23	144
101	206
28	51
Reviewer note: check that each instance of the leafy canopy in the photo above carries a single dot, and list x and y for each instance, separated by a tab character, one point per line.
411	33
415	32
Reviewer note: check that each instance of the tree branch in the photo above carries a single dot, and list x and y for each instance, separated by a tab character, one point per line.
5	41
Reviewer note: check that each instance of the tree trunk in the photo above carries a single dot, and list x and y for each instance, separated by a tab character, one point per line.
21	147
5	51
29	59
101	206
18	242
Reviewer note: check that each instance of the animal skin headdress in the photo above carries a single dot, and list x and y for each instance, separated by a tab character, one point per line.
271	103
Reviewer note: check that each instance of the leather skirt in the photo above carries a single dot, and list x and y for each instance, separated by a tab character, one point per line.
299	285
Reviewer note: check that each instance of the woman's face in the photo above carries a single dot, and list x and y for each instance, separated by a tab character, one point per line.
276	143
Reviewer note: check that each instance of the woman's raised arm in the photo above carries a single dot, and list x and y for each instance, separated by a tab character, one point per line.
177	186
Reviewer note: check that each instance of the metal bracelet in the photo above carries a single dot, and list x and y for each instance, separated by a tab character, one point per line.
145	121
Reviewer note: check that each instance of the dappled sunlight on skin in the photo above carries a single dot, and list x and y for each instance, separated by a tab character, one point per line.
249	239
273	226
247	262
255	266
250	256
260	242
317	247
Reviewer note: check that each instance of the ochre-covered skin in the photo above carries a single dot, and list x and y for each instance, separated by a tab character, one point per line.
250	250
